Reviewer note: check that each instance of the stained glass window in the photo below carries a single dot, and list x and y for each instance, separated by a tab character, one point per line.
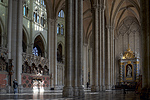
35	51
24	9
62	13
59	14
38	19
58	28
43	3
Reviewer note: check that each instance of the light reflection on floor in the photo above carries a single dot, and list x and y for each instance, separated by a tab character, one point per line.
57	95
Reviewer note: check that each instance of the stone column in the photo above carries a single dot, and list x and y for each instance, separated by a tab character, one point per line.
103	45
145	47
74	49
58	78
19	41
31	41
90	65
110	53
68	89
9	26
112	56
85	64
95	86
100	49
14	37
80	47
108	59
52	50
63	77
55	52
49	50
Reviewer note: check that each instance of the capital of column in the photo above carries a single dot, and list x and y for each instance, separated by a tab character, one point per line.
52	21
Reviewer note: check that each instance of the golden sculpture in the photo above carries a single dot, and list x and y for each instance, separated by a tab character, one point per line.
128	54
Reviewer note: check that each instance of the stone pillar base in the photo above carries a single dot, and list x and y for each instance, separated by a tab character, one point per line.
108	87
20	89
104	88
94	88
80	91
75	91
100	88
68	91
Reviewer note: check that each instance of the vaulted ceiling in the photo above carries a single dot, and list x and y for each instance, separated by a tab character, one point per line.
116	11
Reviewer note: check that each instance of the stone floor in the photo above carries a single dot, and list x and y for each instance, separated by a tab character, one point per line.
57	95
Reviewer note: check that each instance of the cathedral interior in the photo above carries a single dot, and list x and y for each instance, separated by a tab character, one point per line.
75	45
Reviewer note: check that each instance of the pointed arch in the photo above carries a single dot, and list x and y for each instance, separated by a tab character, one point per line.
0	35
1	31
59	6
1	24
60	42
40	34
40	43
59	52
26	33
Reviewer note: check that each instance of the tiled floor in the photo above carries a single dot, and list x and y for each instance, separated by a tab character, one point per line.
57	95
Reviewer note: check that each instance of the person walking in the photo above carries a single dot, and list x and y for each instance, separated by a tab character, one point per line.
15	86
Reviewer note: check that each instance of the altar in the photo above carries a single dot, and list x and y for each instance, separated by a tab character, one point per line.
129	67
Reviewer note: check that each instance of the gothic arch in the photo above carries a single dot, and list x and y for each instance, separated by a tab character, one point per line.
26	33
39	43
60	42
59	53
43	39
60	6
25	39
0	35
63	46
1	25
1	31
48	4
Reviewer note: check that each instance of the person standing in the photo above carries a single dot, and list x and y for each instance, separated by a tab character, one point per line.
15	86
87	84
